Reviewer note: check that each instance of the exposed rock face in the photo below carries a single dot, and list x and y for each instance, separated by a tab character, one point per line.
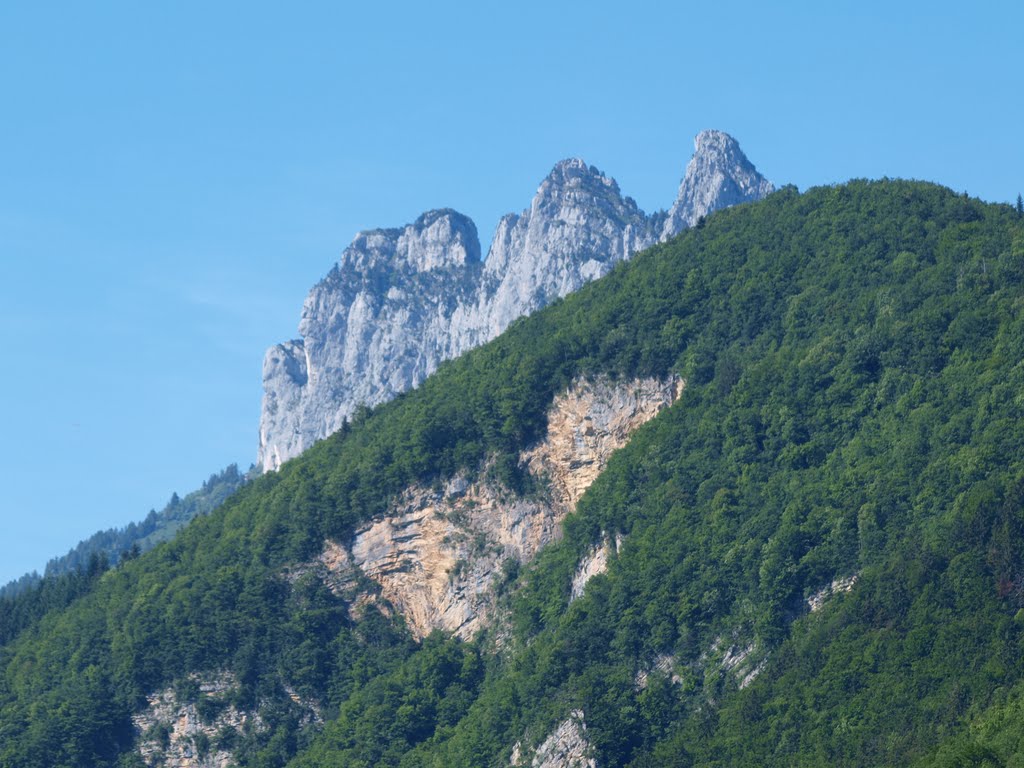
595	562
437	555
590	422
838	586
577	227
197	725
718	176
566	747
377	325
400	301
173	734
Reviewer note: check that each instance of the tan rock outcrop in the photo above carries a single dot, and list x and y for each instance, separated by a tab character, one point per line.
587	424
437	555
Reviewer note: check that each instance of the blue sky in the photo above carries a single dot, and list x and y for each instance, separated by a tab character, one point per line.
175	176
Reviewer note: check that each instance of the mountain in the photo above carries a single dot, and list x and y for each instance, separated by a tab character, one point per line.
401	301
755	497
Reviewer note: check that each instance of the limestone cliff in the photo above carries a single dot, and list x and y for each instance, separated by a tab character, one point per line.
718	176
593	563
377	325
400	301
438	554
565	747
577	227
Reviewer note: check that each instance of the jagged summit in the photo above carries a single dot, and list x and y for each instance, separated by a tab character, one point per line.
576	174
572	183
440	238
575	171
402	300
578	225
710	140
572	166
717	176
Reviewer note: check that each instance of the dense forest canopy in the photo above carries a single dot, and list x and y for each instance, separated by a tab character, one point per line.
853	411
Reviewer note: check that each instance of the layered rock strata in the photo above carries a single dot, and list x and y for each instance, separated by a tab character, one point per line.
438	554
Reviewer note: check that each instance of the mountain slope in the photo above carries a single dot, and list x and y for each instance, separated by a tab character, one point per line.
27	599
144	535
854	427
848	438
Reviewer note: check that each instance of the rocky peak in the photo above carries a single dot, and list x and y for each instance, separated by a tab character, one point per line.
577	226
564	171
574	174
718	175
438	239
572	198
378	323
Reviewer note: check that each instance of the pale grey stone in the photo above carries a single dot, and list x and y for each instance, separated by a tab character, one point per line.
718	176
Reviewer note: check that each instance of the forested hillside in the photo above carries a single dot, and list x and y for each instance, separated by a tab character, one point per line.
24	601
822	540
134	538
